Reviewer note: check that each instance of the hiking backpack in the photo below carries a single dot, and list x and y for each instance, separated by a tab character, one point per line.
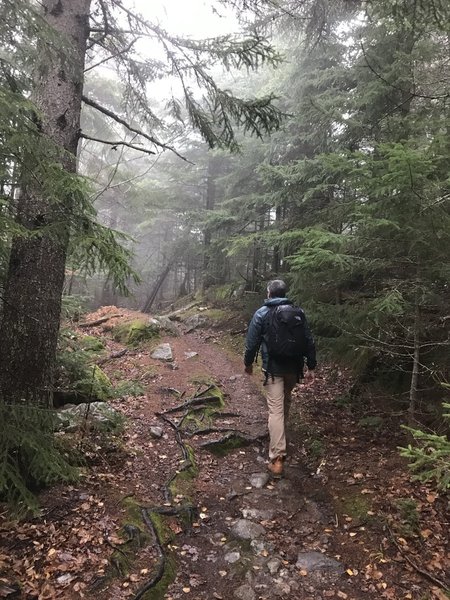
286	336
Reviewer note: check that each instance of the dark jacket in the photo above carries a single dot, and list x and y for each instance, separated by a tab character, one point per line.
256	340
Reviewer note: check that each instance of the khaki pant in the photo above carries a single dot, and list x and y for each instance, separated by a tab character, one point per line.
278	394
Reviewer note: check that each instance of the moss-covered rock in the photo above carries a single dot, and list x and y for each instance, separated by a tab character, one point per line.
133	333
94	384
91	343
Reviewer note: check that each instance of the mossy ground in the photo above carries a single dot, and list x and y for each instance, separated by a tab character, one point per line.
133	333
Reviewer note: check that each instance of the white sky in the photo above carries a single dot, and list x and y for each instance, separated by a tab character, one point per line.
194	18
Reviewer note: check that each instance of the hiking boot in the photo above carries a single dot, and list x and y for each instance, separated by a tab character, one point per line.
276	466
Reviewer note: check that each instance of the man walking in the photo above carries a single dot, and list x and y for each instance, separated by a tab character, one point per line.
281	332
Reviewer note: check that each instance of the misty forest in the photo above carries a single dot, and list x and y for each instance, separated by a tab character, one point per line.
160	163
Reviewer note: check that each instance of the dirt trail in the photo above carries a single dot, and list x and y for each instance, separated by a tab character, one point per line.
318	533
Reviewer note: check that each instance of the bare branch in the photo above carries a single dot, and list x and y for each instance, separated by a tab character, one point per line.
119	119
111	56
118	143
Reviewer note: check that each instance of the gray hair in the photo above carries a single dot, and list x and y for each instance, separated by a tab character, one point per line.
277	288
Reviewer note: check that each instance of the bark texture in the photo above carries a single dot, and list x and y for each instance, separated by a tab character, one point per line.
32	297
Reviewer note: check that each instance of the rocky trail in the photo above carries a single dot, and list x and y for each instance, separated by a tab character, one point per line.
179	504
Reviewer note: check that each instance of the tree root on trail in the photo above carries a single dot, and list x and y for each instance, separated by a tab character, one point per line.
161	555
195	401
208	430
240	438
198	402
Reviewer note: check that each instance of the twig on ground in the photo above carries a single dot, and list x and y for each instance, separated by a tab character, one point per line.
441	584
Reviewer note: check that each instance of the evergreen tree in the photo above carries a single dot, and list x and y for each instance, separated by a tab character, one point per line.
91	32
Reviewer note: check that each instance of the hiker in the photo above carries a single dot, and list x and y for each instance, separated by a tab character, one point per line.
280	330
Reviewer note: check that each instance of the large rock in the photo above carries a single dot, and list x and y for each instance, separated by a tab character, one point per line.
245	592
232	557
196	321
98	414
166	325
316	561
247	530
163	352
258	514
259	480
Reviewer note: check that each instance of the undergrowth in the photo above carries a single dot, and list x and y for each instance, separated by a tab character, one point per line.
30	457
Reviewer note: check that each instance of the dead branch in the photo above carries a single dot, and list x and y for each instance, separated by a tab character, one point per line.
441	584
118	143
98	321
127	125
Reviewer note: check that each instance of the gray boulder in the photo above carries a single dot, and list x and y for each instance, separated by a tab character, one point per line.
247	530
156	432
99	414
163	352
167	325
196	321
316	561
259	480
244	592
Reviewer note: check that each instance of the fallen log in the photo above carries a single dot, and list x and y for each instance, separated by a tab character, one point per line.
99	321
117	354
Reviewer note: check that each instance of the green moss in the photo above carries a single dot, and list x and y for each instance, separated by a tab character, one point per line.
182	483
354	505
159	591
371	422
95	384
165	534
216	314
91	343
133	333
128	388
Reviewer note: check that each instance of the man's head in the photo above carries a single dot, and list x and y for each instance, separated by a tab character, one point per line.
276	289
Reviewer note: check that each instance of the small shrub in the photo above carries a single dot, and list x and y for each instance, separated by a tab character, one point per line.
407	508
75	371
72	307
430	459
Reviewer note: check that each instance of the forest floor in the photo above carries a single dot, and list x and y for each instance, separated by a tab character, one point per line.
345	522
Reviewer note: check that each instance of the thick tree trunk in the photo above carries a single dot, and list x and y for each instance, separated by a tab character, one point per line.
32	298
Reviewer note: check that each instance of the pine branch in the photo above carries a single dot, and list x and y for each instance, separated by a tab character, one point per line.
396	87
121	121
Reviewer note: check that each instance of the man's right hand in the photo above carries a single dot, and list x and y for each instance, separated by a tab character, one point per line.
249	369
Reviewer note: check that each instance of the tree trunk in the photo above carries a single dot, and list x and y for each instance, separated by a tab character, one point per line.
35	279
276	257
208	278
415	370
